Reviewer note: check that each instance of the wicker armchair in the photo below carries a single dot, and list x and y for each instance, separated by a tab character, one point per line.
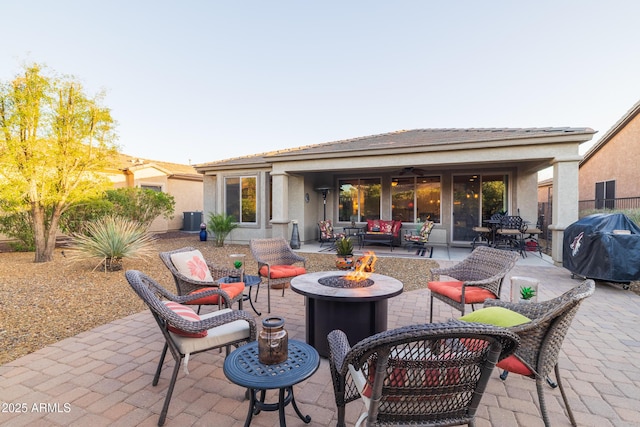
223	328
276	263
189	285
429	374
541	339
477	277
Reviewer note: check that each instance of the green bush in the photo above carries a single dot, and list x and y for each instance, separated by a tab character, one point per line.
79	215
633	214
112	239
17	225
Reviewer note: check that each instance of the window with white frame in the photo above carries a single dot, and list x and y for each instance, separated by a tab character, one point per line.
241	198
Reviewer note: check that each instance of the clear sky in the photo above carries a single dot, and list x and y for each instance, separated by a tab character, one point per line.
198	81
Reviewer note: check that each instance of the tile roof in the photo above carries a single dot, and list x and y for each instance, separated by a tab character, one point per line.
125	161
404	139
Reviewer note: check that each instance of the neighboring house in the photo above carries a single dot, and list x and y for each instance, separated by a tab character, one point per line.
180	181
609	170
455	177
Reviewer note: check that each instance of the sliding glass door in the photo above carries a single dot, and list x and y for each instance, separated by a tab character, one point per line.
475	198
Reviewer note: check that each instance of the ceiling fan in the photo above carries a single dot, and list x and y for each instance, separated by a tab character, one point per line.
410	170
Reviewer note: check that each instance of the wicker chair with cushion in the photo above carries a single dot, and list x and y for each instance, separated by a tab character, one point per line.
193	274
429	374
420	240
476	278
541	339
276	262
328	233
185	332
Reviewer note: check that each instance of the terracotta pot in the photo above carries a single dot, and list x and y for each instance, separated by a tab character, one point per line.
344	262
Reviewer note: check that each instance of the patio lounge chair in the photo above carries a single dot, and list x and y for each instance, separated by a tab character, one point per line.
276	263
541	339
193	274
328	233
424	375
476	278
185	332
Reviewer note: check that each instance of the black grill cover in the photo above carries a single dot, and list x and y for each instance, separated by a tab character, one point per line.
593	250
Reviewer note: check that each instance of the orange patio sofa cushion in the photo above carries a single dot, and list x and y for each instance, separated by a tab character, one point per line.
281	271
453	290
232	289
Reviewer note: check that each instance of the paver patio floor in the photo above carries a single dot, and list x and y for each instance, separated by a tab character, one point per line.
103	377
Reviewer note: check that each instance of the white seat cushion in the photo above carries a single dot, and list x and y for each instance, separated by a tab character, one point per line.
217	336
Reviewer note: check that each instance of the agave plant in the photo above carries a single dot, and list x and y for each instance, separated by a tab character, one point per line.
111	239
527	292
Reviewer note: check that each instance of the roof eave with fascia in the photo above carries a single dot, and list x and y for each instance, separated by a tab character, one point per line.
437	147
613	131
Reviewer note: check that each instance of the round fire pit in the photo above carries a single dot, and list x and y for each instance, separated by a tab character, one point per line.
343	282
359	309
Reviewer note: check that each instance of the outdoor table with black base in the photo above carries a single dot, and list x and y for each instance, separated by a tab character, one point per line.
249	281
242	367
359	311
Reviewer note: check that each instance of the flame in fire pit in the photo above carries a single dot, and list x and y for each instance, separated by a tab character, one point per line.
364	267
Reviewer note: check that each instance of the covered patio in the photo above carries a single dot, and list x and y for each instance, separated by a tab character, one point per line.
456	178
103	376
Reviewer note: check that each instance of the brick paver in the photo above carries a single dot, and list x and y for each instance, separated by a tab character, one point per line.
103	376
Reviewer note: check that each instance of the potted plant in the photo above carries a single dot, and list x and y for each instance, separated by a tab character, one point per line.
526	293
344	252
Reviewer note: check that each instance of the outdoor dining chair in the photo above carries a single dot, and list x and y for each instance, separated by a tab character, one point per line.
541	339
277	263
185	333
193	275
421	375
510	234
476	278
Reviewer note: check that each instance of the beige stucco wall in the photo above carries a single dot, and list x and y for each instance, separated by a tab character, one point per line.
617	160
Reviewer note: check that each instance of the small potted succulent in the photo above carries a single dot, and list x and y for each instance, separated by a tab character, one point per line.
344	252
526	293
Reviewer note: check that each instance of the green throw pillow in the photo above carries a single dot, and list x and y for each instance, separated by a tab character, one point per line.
497	316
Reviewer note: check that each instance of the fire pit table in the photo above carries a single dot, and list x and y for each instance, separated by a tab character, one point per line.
333	302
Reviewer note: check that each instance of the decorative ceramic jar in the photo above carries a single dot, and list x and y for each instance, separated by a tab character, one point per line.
273	341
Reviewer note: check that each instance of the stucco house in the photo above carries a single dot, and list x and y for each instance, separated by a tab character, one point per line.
608	171
455	177
180	181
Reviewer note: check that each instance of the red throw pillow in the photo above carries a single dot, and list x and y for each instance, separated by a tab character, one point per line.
433	377
188	314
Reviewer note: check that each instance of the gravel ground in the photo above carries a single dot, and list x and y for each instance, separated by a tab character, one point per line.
46	302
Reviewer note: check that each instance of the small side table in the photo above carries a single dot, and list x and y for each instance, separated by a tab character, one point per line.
249	281
242	367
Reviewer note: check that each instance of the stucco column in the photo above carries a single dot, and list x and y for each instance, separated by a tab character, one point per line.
565	202
280	204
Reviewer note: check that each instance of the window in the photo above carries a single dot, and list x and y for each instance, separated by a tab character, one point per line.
157	188
415	199
359	199
605	194
241	200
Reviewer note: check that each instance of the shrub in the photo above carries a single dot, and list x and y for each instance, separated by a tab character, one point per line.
17	225
220	225
112	239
